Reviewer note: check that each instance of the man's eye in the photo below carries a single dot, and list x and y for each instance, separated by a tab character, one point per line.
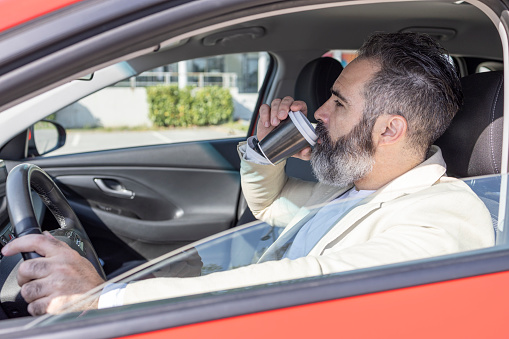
338	104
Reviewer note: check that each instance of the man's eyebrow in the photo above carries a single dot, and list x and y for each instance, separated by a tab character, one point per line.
336	93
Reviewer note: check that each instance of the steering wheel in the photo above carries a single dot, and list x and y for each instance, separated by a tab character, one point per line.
20	180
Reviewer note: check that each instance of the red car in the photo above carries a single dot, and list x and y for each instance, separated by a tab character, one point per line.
79	82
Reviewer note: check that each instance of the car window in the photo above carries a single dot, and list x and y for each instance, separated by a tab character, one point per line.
249	244
199	99
253	245
345	56
490	66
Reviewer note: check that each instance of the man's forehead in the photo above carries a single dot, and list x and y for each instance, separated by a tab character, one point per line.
353	78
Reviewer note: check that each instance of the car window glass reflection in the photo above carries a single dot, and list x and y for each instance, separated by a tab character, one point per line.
250	246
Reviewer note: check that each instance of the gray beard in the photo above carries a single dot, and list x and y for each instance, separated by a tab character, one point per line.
347	160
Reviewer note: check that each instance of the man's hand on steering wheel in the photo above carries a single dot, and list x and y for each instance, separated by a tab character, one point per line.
60	276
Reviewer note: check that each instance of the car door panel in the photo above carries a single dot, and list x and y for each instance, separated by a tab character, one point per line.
180	193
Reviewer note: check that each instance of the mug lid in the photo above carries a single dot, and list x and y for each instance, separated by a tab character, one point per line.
304	126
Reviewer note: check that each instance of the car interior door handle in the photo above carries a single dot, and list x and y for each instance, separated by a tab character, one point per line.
113	188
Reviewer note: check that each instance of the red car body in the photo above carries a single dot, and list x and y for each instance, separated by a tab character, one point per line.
15	13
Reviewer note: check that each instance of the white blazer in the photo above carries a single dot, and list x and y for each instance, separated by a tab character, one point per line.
420	214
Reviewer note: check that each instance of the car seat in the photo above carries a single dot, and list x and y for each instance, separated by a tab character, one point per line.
315	81
472	145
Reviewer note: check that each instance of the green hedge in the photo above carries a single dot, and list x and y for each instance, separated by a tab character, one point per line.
171	106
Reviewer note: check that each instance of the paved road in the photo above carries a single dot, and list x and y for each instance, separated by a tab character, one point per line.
87	140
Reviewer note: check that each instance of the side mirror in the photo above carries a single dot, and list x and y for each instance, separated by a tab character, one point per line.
44	137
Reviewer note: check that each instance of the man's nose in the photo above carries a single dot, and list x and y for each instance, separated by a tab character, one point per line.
322	113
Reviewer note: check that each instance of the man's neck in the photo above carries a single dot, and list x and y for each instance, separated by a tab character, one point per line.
387	168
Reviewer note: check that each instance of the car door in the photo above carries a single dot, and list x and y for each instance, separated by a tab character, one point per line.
139	203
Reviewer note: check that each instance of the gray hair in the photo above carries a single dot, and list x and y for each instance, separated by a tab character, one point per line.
416	80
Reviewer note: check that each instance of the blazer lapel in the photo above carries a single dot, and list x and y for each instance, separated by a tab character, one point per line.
425	175
345	225
419	178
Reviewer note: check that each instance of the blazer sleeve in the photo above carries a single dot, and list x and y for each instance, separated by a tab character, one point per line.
271	195
434	224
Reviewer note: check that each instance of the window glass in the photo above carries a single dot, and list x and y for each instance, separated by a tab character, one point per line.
255	245
200	99
490	66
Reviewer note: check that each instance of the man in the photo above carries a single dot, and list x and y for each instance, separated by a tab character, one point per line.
374	154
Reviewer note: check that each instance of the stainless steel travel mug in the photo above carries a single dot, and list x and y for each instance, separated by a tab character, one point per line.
291	136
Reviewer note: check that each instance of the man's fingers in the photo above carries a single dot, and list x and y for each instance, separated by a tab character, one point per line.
264	125
274	109
271	116
305	154
33	269
284	108
299	106
35	290
42	244
264	116
59	304
39	307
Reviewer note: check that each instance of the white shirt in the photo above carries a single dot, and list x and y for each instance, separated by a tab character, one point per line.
311	233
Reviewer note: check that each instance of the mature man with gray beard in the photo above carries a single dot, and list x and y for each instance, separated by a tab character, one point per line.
382	181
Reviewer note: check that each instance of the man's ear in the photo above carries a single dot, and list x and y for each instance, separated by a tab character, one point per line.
392	129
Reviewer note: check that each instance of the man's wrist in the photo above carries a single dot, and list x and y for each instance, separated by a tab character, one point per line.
249	153
112	295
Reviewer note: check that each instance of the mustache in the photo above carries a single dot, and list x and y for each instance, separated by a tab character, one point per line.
320	129
322	132
326	148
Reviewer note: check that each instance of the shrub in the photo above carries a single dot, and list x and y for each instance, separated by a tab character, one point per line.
168	105
171	106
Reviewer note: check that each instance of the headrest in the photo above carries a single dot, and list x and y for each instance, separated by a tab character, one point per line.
472	145
315	81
